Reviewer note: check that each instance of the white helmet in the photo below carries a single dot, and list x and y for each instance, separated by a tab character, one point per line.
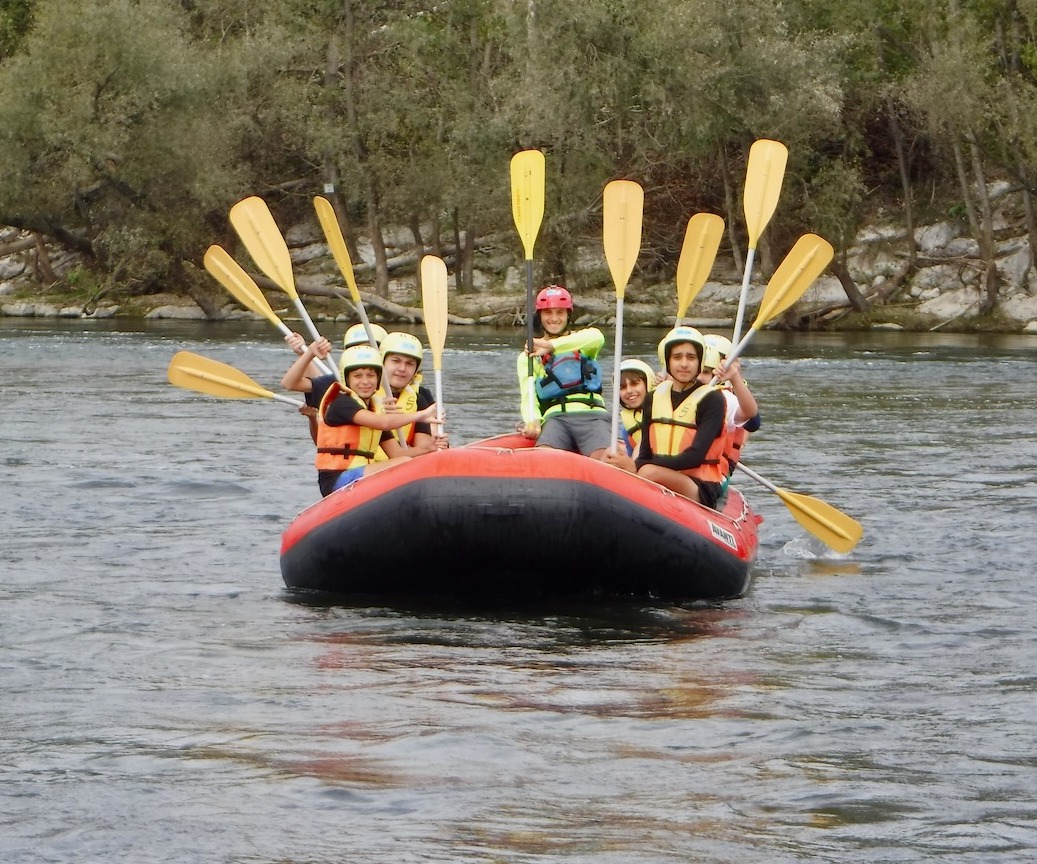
357	335
675	337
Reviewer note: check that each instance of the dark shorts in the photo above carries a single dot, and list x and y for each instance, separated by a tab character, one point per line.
709	493
577	431
329	481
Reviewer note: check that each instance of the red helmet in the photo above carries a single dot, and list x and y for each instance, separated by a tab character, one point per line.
554	297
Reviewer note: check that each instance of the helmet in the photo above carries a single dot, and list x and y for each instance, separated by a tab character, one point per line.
359	357
402	343
554	297
717	348
675	337
357	335
640	367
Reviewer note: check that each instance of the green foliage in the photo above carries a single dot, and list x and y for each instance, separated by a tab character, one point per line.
16	17
130	128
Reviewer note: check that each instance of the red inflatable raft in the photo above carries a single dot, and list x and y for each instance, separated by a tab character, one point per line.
500	518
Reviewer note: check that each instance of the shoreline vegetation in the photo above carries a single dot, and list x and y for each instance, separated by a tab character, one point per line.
39	279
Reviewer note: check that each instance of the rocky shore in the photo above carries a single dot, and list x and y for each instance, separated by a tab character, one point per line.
943	294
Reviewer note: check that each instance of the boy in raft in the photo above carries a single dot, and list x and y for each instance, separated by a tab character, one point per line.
349	428
401	390
636	379
683	435
561	402
743	413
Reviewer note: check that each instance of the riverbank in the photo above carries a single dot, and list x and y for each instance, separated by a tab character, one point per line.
943	292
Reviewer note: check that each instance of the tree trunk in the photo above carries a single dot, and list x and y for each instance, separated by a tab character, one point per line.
41	263
966	191
991	277
360	151
729	204
905	180
331	177
853	294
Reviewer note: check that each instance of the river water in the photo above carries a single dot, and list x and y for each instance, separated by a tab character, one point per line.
166	700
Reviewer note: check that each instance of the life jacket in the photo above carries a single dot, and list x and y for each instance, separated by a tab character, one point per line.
340	448
733	450
672	431
570	379
631	422
736	438
407	402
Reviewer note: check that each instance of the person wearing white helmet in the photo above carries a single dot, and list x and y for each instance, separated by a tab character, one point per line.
308	378
743	412
357	335
636	380
351	428
401	390
560	381
683	435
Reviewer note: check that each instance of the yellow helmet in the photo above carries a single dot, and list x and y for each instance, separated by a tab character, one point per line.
402	343
357	335
640	367
675	337
717	348
359	357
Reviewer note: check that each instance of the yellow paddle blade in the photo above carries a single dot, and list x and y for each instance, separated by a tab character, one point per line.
194	372
804	263
829	525
623	204
701	241
764	172
243	287
527	196
257	229
434	305
336	242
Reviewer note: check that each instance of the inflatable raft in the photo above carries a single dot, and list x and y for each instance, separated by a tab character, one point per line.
499	518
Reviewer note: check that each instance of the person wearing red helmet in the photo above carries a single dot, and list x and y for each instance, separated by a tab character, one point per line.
561	401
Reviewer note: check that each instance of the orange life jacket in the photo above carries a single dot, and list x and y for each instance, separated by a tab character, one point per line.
672	431
340	448
733	451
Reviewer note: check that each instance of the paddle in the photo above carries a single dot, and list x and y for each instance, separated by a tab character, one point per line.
764	171
701	241
231	276
804	263
622	211
194	372
829	525
434	311
337	243
257	229
527	208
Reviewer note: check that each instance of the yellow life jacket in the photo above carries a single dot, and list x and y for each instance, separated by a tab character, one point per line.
631	419
340	448
672	431
406	402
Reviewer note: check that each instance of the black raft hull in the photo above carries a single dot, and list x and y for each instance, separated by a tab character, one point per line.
500	518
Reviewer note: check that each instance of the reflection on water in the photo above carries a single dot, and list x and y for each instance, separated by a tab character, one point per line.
165	699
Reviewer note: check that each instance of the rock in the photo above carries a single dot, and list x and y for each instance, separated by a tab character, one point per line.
18	310
951	304
183	313
934	237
